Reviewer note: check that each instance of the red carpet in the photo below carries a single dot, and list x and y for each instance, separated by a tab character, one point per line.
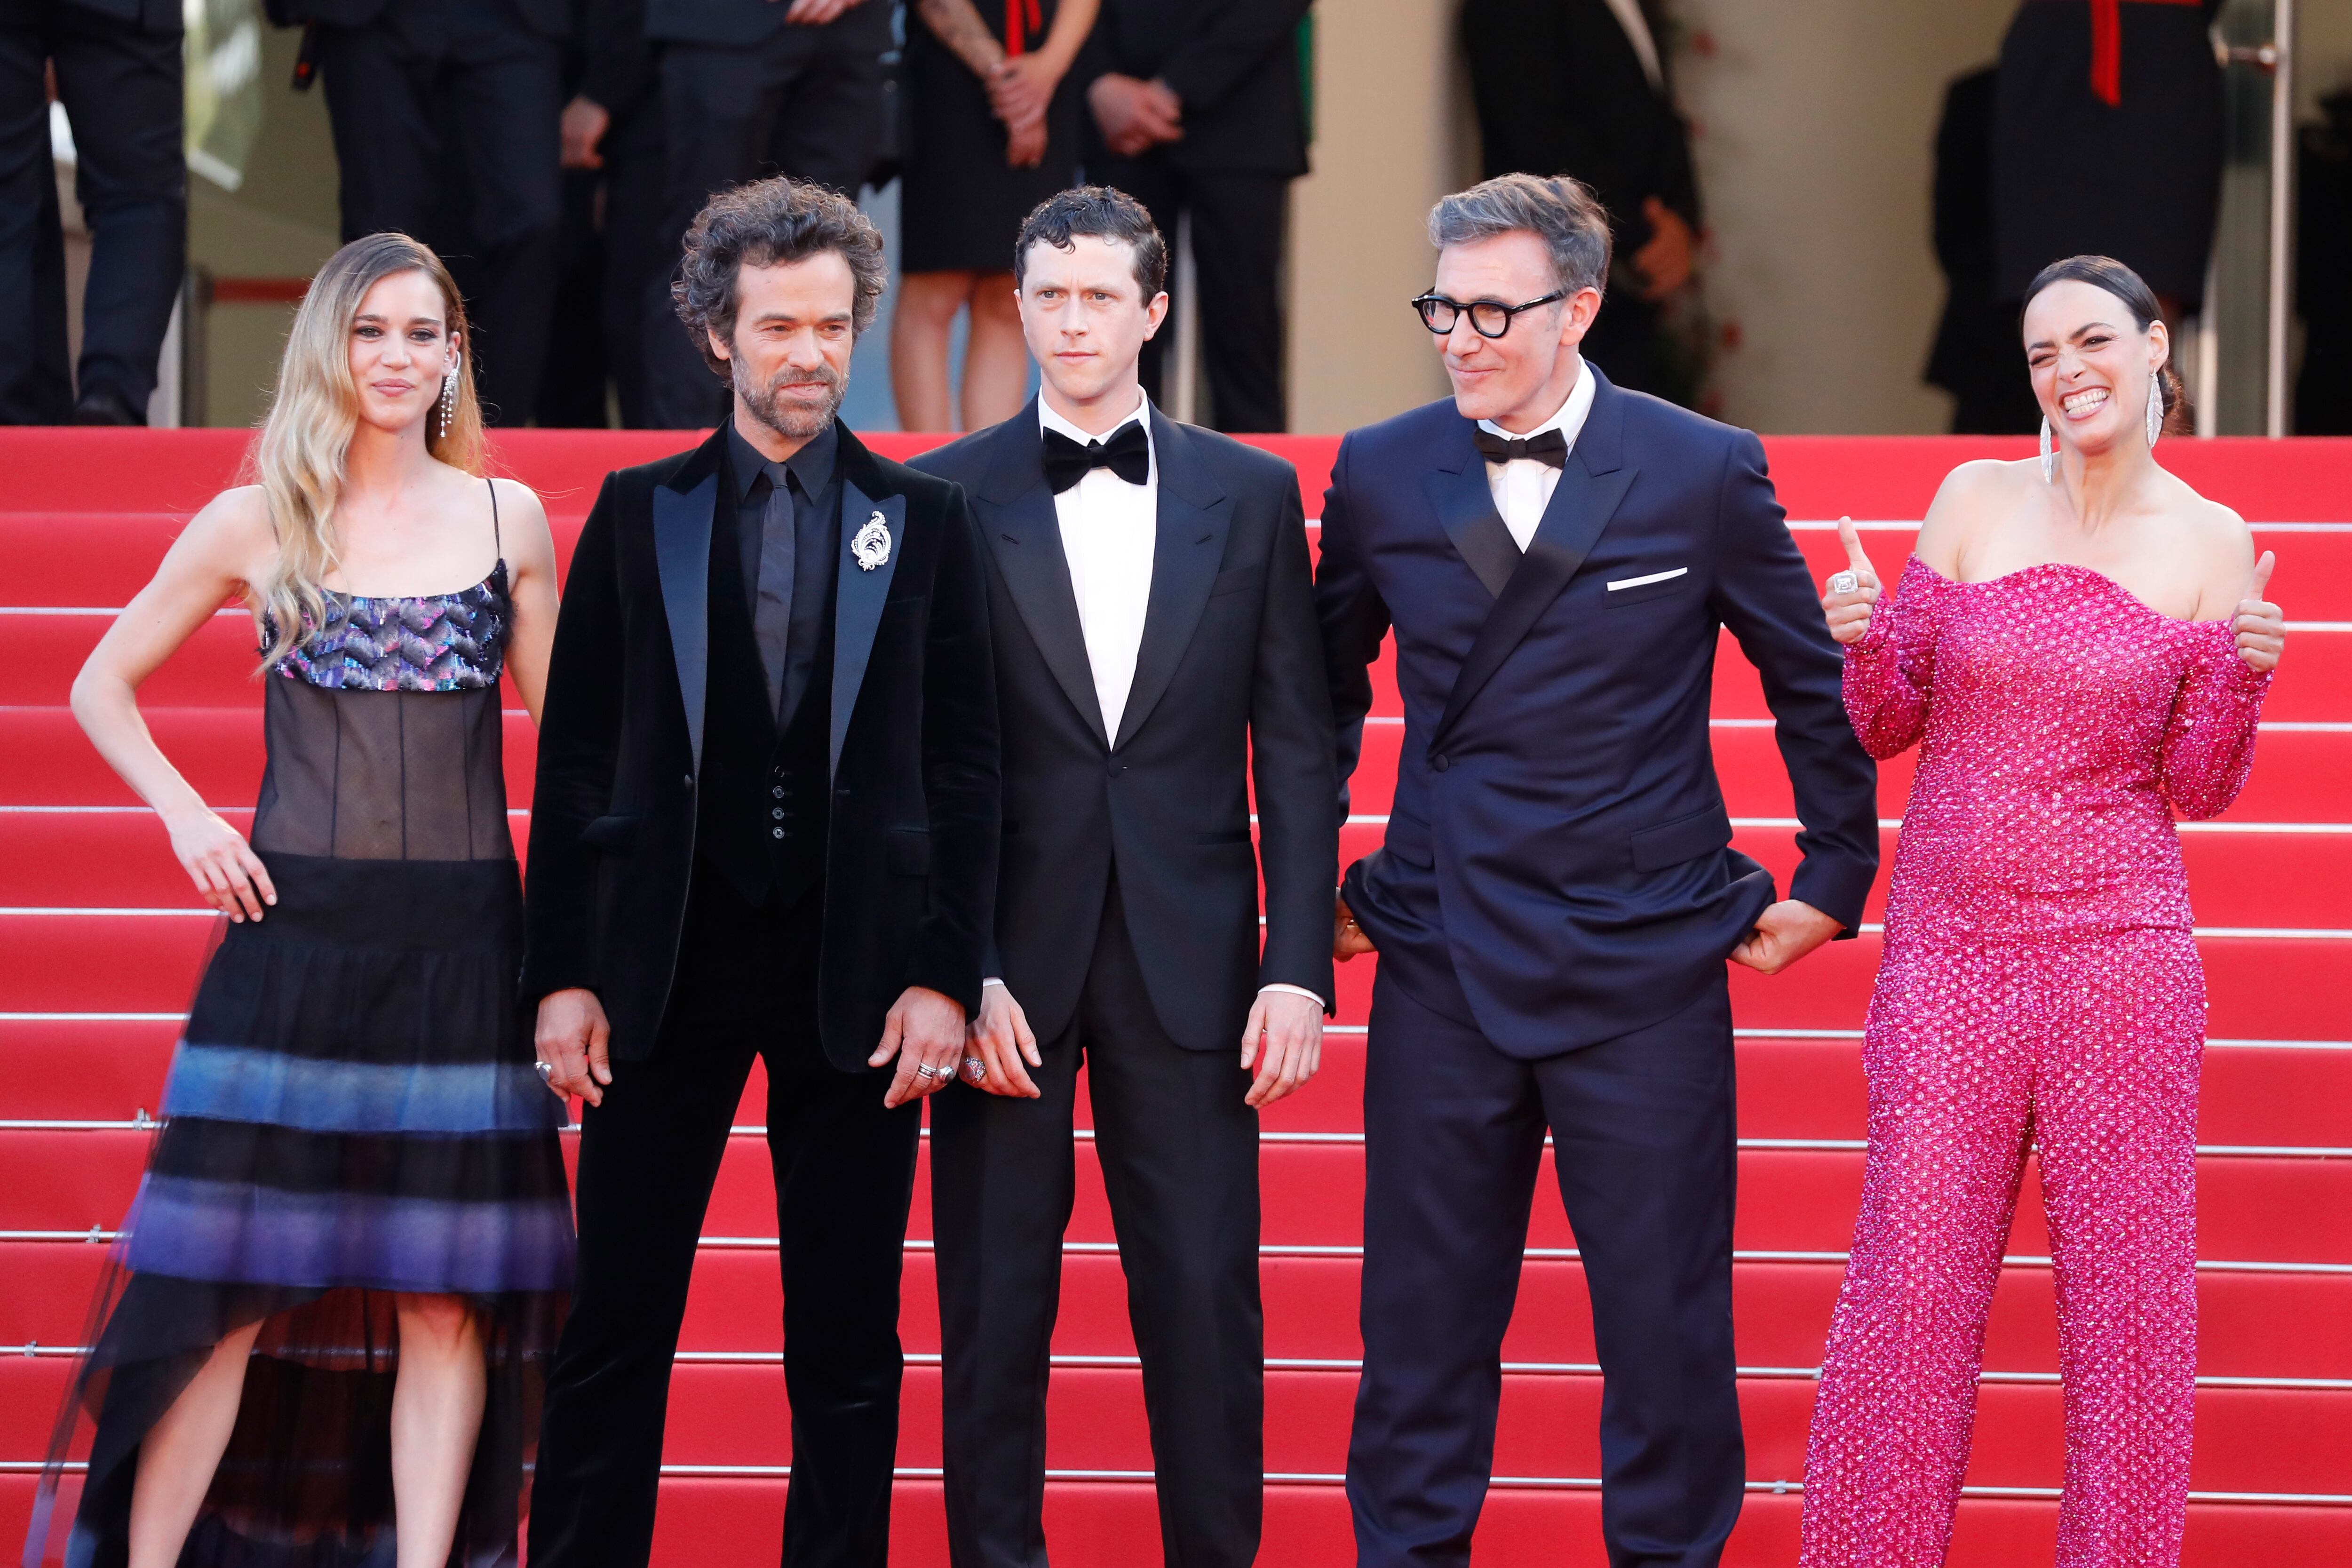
100	940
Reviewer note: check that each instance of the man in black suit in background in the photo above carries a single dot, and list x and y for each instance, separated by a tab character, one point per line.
766	825
1580	87
747	88
1196	110
424	95
1156	651
119	74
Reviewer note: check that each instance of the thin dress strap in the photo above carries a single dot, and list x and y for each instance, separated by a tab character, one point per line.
497	542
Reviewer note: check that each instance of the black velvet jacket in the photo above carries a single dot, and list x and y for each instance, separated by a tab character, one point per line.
910	859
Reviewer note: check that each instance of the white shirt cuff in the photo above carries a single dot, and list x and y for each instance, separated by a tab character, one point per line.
1295	990
992	979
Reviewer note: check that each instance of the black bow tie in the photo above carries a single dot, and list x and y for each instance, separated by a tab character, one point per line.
1127	454
1543	447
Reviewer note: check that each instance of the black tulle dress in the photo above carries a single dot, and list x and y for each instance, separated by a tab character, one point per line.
353	1112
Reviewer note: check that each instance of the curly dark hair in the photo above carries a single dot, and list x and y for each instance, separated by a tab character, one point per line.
761	224
1100	212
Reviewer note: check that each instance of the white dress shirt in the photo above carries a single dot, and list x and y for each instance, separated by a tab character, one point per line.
1523	489
1108	530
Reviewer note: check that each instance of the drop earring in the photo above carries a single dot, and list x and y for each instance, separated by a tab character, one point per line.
2049	453
2155	407
449	398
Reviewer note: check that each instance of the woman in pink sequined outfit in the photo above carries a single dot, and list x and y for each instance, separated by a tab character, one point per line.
2080	650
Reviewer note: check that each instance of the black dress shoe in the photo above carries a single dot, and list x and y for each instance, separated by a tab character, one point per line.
104	405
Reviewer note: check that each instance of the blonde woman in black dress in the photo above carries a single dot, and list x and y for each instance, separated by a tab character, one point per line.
347	1263
995	132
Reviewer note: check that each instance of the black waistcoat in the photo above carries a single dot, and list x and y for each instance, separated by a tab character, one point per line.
766	794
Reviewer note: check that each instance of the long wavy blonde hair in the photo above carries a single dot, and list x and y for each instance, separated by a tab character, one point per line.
299	460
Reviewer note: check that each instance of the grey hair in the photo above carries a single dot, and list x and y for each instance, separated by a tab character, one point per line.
760	225
1561	211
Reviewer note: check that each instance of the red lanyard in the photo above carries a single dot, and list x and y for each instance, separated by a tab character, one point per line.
1020	17
2108	45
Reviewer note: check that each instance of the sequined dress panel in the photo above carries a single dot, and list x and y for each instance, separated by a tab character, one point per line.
2040	990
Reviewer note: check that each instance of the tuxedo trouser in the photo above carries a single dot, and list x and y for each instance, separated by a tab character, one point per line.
121	87
1239	236
1644	1146
445	119
844	1170
1178	1148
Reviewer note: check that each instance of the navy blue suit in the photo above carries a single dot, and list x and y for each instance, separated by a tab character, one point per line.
1553	906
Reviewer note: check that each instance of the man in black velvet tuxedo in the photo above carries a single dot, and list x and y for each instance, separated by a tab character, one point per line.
1557	892
766	825
1156	653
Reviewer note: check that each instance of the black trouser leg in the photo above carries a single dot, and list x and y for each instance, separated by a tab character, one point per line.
1150	180
1644	1139
1453	1141
844	1177
121	87
506	96
1239	223
388	141
637	254
1179	1150
834	114
1002	1180
36	387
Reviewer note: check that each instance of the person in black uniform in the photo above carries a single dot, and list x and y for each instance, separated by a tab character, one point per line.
1575	87
766	825
423	94
995	132
118	73
751	88
1195	110
2130	88
1975	356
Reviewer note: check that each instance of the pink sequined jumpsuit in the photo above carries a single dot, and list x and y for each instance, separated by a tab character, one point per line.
2040	988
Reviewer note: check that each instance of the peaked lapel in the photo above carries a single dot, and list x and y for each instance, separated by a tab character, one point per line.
1591	487
1187	549
683	511
1465	504
859	590
1025	535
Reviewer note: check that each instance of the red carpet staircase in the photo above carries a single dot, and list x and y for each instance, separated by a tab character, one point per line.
100	940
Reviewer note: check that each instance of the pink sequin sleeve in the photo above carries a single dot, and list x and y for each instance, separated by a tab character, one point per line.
2209	742
1888	673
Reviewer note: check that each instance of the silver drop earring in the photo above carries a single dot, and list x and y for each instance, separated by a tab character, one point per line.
2155	407
448	397
2049	453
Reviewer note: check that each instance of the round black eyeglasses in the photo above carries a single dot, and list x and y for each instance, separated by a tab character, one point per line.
1488	318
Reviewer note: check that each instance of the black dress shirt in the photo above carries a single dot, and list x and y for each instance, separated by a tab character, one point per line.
792	545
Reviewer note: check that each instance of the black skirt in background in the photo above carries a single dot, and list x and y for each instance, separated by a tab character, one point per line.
961	205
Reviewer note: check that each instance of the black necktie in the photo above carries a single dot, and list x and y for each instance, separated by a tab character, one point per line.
772	620
1543	447
1127	454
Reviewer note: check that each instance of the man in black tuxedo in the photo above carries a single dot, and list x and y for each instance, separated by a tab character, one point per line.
1156	652
766	825
427	96
1580	87
1196	112
119	74
1557	893
750	88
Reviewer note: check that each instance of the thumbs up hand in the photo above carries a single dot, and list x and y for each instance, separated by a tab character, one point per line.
1852	591
2261	625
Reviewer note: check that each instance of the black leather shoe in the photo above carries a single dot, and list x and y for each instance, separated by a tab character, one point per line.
104	405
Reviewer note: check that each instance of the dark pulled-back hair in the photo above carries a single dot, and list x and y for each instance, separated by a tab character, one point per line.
2110	275
762	224
1103	213
1561	211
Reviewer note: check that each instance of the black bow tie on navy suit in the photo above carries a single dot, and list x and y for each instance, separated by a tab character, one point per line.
1127	454
1543	447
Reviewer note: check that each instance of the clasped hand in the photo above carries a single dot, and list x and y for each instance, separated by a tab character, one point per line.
1287	1025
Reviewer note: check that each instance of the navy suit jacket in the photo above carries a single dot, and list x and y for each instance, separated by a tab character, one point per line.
1557	868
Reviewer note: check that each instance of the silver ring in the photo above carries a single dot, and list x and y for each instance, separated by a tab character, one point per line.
927	1070
976	1067
546	1071
1845	582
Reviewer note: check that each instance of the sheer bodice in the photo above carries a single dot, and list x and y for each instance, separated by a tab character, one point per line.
383	730
2061	724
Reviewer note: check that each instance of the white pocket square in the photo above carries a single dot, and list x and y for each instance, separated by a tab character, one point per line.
1645	582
